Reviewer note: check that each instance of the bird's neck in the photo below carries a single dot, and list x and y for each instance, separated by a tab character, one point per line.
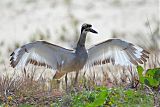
82	39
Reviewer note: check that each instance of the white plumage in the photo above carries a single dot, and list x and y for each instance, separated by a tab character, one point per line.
117	52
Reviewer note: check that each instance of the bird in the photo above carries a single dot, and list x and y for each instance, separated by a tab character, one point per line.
62	60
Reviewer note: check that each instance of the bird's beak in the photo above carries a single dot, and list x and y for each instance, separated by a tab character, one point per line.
92	30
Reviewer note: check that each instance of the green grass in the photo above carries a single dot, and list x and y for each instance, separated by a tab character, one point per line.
109	97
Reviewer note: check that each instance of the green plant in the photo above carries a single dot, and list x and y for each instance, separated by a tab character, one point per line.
152	81
100	98
151	78
108	97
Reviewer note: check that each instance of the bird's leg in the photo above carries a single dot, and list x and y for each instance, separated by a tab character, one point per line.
76	79
66	79
24	71
58	84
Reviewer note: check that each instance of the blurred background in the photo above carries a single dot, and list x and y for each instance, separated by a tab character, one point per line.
59	22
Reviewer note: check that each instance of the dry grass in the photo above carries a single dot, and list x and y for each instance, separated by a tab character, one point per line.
26	90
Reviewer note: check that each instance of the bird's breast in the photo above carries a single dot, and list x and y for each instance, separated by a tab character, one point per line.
81	60
78	62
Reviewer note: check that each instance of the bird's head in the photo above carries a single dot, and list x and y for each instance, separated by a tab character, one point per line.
87	28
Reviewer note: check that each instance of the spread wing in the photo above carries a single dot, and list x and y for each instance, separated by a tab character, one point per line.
40	53
117	52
